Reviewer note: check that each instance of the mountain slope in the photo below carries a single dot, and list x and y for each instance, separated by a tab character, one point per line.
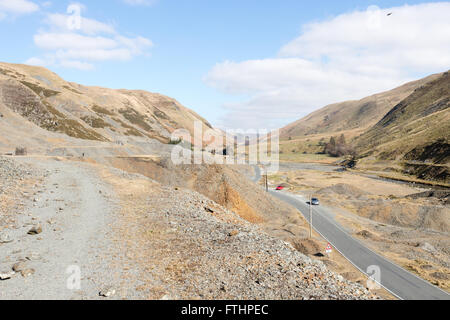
359	115
420	120
40	97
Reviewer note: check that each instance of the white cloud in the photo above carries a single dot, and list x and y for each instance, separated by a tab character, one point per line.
16	7
58	22
74	64
73	41
62	41
140	2
347	57
36	62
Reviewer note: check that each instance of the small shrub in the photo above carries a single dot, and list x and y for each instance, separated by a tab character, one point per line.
21	151
338	147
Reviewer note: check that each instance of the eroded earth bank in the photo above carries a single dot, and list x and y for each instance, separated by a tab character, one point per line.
132	237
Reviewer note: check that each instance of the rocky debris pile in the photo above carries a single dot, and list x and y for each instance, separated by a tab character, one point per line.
12	173
16	180
35	230
194	248
107	292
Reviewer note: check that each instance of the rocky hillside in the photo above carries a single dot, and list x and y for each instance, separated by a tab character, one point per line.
34	98
224	185
351	115
148	241
418	126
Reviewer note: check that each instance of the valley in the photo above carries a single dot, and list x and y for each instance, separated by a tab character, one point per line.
384	215
94	207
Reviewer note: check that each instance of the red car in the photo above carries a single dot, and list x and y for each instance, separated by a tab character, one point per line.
279	188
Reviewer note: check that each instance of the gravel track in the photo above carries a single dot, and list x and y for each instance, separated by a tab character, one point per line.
74	208
137	239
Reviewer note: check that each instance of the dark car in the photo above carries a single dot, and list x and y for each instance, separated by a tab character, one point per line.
315	201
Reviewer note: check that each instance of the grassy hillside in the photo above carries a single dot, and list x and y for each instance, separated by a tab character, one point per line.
352	117
42	98
420	120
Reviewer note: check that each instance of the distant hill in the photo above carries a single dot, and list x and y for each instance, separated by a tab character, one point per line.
417	128
403	132
38	107
351	115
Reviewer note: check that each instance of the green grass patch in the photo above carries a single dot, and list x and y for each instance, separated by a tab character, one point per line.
96	122
136	118
72	89
40	90
133	132
69	127
53	110
102	111
74	129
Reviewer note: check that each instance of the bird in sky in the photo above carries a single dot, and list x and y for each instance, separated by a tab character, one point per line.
389	14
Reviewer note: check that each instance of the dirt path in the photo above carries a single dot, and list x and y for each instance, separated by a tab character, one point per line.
128	233
74	208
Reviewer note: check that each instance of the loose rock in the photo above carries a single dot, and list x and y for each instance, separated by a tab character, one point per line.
27	272
35	230
7	276
4	238
107	292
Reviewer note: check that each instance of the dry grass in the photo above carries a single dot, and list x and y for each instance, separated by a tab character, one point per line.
313	179
349	115
420	119
233	200
376	212
405	178
308	158
39	90
155	114
136	118
102	111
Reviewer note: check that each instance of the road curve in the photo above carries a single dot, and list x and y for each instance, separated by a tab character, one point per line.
395	279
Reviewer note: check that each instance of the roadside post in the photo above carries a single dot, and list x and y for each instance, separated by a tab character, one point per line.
310	217
266	180
329	249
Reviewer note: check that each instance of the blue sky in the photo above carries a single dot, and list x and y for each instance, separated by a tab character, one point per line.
230	61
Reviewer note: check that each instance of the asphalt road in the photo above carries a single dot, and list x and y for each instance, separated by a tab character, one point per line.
395	279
